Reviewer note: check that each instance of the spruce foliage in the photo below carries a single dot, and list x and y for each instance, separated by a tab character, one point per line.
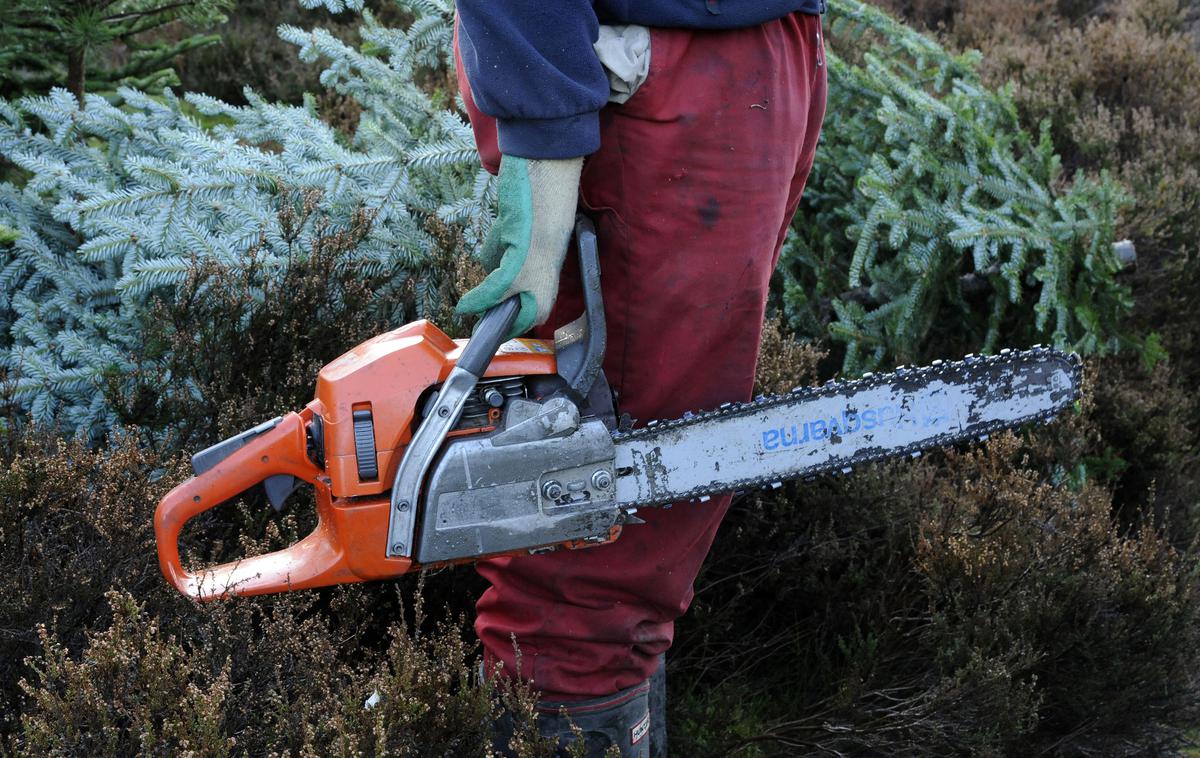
932	217
122	201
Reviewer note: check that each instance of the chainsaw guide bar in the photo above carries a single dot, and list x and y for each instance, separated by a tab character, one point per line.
839	425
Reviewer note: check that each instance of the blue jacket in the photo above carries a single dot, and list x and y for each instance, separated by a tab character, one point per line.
531	66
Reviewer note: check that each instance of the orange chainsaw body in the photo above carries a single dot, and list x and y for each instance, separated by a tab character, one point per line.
388	376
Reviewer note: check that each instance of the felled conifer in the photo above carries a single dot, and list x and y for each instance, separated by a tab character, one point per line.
933	220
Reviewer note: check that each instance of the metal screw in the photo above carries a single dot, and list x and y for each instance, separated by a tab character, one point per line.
398	547
402	505
444	411
552	490
601	479
493	397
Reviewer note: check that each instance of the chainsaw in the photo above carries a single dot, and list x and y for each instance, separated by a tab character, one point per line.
424	451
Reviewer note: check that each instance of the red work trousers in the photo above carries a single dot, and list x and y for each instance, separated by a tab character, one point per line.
696	180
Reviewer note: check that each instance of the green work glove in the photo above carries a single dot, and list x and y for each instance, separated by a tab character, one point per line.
525	247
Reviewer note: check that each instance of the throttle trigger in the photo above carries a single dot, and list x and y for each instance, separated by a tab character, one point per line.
278	488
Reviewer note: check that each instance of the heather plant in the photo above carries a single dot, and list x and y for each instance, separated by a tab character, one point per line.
134	674
251	54
964	604
102	657
1116	85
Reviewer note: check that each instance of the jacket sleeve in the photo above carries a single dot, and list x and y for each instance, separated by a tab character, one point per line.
531	66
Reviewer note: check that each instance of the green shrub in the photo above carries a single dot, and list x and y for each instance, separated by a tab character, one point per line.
98	45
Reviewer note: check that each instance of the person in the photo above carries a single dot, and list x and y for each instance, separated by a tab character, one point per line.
685	129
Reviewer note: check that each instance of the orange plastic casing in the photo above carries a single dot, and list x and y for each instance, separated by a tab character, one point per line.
389	374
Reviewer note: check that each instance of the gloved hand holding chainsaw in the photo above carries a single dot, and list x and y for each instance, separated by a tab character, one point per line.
525	248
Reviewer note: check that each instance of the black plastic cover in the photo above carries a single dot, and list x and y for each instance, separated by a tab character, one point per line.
364	445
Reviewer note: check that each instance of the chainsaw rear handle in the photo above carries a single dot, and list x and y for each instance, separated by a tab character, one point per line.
279	450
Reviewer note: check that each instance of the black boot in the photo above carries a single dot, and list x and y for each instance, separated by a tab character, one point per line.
658	709
621	719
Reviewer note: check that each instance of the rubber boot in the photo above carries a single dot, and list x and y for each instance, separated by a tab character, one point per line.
621	720
658	709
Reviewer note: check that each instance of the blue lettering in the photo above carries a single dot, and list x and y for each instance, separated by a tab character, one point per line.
849	422
820	430
770	439
795	438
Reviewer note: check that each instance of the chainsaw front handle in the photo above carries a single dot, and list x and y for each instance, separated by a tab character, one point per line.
488	336
314	561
